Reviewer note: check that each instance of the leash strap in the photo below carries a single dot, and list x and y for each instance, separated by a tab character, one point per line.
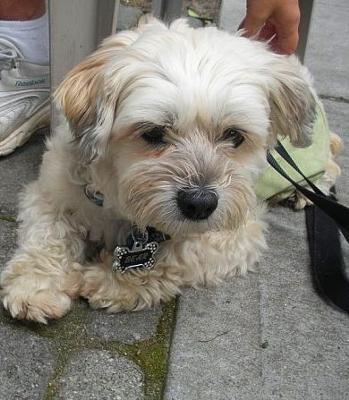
323	221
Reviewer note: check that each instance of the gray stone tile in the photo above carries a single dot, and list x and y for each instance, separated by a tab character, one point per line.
127	327
308	348
97	375
327	54
337	114
26	363
216	345
17	169
128	17
338	119
279	339
232	13
8	241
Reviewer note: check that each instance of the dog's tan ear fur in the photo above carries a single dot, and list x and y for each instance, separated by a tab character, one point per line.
77	93
292	101
84	99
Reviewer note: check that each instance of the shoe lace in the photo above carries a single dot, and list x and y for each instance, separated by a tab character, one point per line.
8	59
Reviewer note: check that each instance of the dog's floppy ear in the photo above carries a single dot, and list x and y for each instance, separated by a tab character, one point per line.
85	100
292	100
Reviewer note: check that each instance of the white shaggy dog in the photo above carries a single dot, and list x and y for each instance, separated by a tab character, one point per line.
171	125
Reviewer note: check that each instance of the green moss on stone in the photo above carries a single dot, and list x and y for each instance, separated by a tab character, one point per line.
152	354
69	335
63	355
7	218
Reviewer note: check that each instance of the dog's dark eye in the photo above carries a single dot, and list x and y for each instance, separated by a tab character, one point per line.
154	135
236	136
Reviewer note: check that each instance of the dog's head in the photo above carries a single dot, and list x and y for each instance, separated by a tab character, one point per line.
183	118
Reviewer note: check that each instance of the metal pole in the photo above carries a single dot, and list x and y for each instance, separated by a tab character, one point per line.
76	28
108	11
167	10
306	7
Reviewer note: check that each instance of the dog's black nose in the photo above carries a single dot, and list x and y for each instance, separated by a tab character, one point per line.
197	204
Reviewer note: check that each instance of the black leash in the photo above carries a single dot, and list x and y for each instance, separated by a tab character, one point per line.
323	220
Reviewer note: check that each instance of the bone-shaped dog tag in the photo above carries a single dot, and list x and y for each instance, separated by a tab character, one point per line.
140	256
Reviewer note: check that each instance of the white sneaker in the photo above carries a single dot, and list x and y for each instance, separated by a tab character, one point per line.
24	97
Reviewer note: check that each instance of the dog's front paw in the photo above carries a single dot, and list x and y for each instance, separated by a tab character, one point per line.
103	290
40	305
123	292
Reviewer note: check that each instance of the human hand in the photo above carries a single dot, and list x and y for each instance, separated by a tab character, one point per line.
277	20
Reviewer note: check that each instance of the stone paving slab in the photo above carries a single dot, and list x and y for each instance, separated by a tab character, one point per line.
337	113
26	363
339	122
327	53
216	346
124	327
232	13
97	375
292	345
8	241
128	17
18	169
308	342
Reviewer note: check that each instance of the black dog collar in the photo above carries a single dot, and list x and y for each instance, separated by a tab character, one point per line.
140	248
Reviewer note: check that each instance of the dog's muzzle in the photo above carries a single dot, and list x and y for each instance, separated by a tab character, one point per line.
197	204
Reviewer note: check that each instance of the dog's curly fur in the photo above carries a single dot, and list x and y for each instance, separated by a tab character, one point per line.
196	85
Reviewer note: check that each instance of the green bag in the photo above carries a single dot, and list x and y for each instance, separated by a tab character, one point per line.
311	161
